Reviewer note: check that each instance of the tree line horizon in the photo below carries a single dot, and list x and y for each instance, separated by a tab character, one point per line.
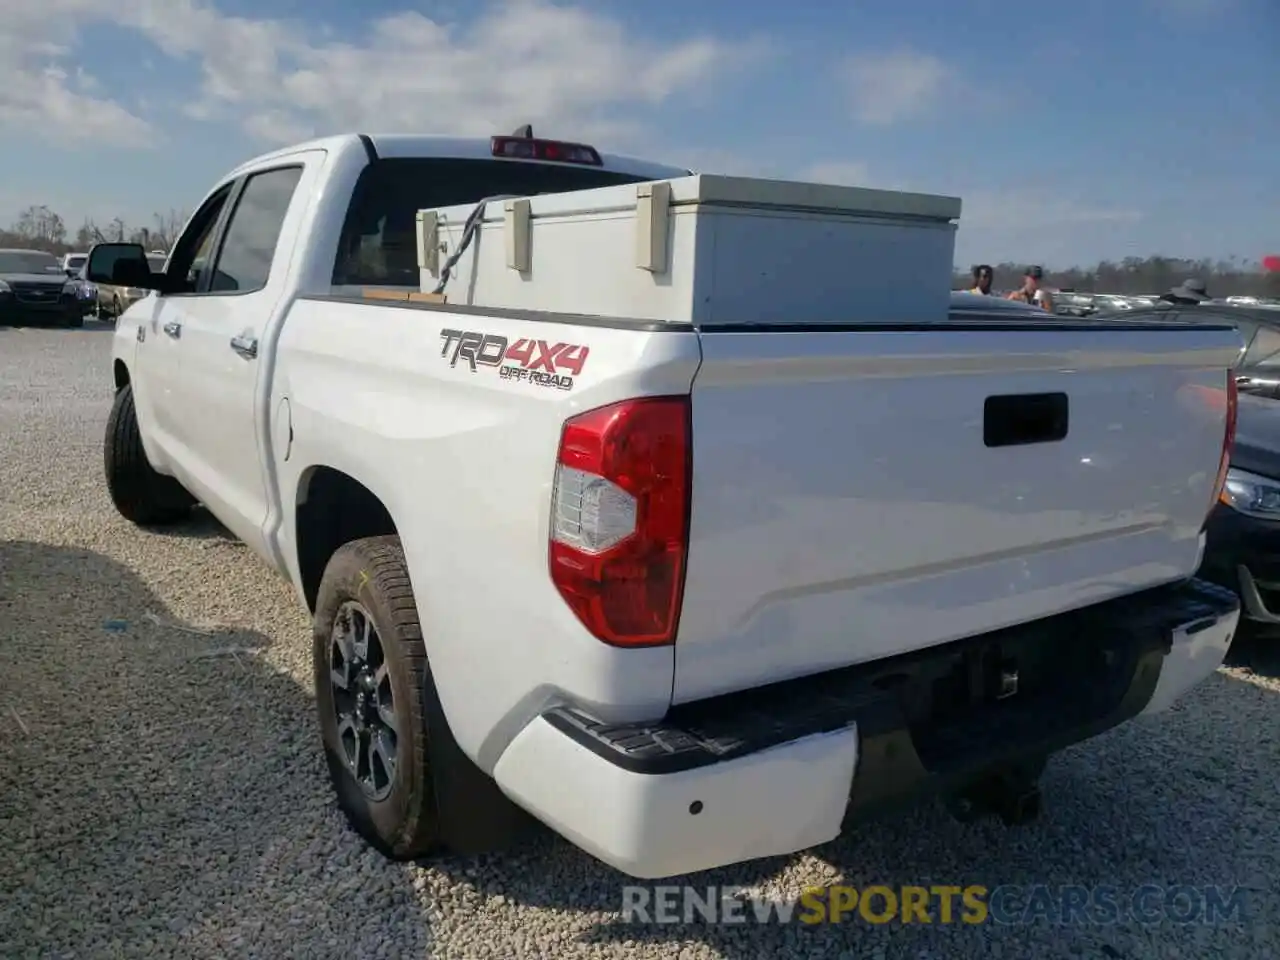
39	227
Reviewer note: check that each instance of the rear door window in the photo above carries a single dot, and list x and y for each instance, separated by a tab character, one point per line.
249	243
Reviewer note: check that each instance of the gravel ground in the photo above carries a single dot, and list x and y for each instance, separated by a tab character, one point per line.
162	794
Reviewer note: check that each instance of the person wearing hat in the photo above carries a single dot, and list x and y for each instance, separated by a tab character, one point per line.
1189	293
1031	291
982	277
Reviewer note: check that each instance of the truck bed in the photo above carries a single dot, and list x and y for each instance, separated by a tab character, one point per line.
846	505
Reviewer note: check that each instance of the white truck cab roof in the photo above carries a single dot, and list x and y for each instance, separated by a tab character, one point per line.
423	146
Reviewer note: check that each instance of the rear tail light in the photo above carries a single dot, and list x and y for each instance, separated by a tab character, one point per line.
1229	438
620	519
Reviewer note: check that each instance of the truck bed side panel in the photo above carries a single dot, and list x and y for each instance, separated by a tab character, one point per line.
465	461
846	506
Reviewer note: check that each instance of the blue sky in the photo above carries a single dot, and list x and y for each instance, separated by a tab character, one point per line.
1089	130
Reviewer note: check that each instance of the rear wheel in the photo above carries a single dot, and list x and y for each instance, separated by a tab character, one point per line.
371	679
140	494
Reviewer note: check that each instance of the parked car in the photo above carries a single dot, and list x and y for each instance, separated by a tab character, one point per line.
689	593
1258	367
1108	303
1258	372
977	306
1073	304
114	299
33	289
1242	534
1242	544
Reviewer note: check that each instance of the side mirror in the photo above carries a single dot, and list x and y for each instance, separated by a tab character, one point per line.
127	272
121	265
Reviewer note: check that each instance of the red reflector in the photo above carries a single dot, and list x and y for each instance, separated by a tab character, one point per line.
525	148
620	519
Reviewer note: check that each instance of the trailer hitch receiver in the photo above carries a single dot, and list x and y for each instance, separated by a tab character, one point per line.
1012	796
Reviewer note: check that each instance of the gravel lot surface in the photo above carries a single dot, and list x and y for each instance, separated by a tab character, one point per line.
162	791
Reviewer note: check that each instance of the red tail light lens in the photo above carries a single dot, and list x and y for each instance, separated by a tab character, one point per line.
620	519
1229	438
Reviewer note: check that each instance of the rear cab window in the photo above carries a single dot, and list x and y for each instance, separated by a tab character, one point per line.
378	245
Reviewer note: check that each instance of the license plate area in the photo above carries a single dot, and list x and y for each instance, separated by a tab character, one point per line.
1015	688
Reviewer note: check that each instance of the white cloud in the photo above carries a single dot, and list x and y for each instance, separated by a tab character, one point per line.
735	163
40	95
1015	209
1193	8
727	162
885	88
566	69
844	173
1042	225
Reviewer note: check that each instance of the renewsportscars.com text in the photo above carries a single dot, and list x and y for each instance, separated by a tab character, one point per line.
1069	904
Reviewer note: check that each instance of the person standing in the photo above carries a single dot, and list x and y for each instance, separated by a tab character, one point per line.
1032	291
982	277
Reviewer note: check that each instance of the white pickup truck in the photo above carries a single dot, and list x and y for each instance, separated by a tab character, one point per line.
717	590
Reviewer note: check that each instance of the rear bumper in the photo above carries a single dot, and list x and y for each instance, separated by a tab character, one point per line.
783	768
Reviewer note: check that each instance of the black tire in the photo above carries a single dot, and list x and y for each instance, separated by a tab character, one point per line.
115	308
371	572
73	322
140	494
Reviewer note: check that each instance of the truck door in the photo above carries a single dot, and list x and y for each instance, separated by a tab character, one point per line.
158	357
221	351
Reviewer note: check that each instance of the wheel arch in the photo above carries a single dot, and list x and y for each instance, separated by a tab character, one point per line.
120	373
332	508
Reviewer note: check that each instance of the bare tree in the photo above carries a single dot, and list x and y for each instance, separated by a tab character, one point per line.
88	235
168	226
40	226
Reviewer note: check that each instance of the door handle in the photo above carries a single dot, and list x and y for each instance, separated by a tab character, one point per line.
246	346
173	329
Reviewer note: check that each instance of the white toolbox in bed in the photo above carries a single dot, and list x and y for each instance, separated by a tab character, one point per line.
703	249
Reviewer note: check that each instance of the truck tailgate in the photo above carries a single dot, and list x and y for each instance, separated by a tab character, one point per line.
863	493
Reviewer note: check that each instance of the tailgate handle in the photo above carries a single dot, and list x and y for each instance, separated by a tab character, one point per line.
1020	419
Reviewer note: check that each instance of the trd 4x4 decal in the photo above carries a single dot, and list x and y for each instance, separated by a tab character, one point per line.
539	362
